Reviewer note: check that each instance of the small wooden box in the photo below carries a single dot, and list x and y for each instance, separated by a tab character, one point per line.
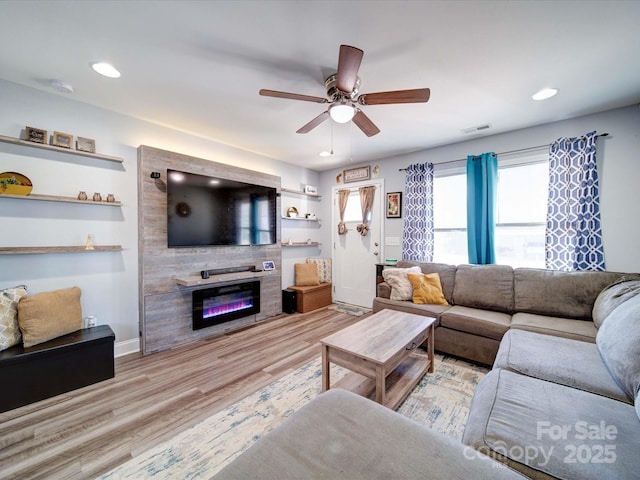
312	297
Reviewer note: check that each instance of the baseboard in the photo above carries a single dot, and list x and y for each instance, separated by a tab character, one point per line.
126	347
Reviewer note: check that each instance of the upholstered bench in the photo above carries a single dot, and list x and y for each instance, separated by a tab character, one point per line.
56	366
312	297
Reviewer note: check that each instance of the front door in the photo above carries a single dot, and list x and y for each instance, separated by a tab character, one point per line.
355	256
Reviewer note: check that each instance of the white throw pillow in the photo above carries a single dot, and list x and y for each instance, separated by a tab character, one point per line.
398	280
9	329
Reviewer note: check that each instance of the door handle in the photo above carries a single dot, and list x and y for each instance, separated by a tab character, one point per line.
375	253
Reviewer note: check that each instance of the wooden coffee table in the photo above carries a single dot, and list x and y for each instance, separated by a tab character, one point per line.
381	351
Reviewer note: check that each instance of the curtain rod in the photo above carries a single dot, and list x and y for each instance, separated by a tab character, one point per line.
505	153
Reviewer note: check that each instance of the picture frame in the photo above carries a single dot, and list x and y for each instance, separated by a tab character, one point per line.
36	135
85	145
268	265
64	140
357	174
394	205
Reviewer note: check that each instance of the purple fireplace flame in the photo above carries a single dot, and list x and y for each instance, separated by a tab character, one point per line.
216	305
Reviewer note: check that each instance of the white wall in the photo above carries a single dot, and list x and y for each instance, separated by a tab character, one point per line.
109	281
618	164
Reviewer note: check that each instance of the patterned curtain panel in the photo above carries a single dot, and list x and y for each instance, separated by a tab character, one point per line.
417	236
482	188
573	239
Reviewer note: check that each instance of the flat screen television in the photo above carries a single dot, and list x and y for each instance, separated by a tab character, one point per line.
204	210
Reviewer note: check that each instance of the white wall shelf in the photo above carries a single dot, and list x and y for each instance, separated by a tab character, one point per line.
56	198
44	146
301	244
284	217
300	192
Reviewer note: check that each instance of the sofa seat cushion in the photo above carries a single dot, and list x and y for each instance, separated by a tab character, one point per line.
547	430
476	321
488	287
342	435
561	327
559	360
409	307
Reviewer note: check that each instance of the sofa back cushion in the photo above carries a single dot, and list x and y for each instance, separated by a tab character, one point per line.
489	287
446	272
612	297
559	294
618	341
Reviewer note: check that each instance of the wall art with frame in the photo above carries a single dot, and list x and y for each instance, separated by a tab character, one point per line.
394	205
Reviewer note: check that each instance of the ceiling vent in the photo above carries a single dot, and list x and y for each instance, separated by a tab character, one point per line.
479	128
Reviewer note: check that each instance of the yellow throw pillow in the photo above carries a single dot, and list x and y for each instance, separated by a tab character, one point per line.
427	289
306	274
49	315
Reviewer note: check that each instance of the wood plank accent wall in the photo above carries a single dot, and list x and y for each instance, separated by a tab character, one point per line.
165	306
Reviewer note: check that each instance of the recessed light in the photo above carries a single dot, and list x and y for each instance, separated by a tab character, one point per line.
544	93
61	86
106	69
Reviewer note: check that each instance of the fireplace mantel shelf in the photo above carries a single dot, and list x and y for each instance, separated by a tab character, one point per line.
195	280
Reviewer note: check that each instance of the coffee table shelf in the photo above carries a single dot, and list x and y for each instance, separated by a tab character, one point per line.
399	383
382	352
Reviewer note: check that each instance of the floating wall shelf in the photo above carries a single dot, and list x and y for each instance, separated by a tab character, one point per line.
300	192
53	148
56	198
70	249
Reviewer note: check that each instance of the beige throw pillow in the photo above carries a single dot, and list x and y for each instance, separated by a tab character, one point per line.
49	315
9	329
324	268
398	280
306	274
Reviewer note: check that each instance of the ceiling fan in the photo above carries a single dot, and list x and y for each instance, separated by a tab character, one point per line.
344	97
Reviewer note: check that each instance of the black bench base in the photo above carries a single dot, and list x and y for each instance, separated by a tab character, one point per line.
60	365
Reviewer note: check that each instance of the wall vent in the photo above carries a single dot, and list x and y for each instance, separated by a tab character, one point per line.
479	128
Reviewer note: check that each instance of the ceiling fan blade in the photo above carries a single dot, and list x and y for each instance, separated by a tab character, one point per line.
365	124
314	123
292	96
419	95
348	65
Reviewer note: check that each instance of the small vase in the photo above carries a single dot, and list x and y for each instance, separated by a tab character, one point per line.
111	198
97	197
82	195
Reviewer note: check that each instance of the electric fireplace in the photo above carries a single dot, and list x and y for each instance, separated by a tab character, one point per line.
216	305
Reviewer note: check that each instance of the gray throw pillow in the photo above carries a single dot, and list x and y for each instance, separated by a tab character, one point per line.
618	341
612	297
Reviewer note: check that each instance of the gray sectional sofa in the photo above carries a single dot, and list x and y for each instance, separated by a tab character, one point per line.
488	300
558	403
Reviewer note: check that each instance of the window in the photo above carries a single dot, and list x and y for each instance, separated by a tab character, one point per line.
522	210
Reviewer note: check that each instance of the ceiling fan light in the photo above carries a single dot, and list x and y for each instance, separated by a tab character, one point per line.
342	112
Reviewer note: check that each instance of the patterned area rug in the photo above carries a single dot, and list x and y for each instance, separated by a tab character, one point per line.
441	401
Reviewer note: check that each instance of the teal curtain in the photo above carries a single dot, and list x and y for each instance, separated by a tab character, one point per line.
482	185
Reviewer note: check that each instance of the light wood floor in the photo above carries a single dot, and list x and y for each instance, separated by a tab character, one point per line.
88	432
